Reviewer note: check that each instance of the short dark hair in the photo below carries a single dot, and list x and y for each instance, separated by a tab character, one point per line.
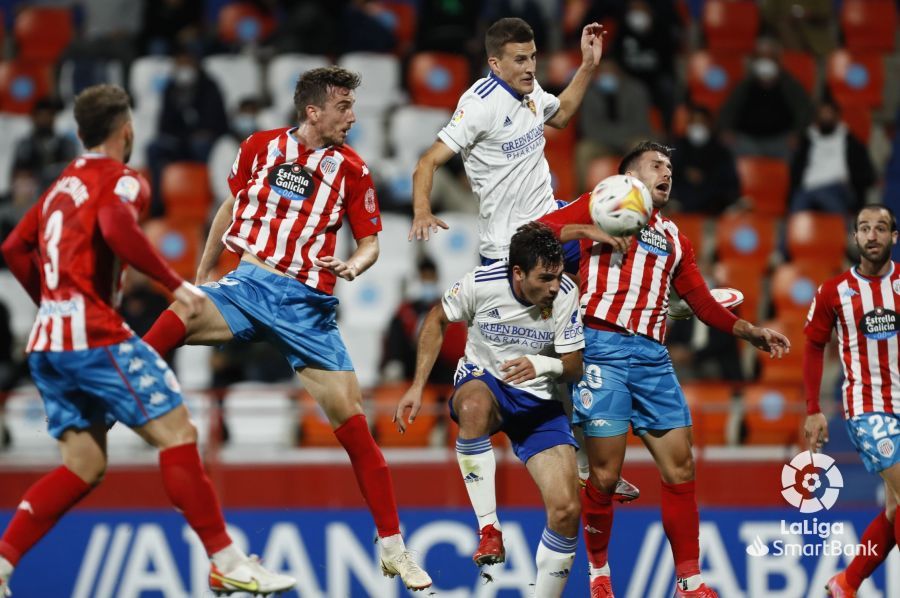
314	85
99	110
875	206
535	243
510	30
638	150
427	264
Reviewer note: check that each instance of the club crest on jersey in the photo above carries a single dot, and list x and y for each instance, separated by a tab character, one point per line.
879	324
531	106
546	312
654	242
896	286
291	181
370	200
328	165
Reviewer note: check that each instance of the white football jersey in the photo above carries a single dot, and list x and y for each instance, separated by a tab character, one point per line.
500	134
501	327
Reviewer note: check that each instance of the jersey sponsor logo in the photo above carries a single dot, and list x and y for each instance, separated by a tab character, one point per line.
328	165
127	188
524	144
370	200
654	242
879	324
291	181
511	334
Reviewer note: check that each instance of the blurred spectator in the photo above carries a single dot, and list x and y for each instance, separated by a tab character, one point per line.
242	123
39	157
700	352
191	119
613	116
10	369
141	303
170	24
705	175
398	358
646	45
363	31
831	170
450	190
450	27
541	15
309	27
805	25
768	110
108	35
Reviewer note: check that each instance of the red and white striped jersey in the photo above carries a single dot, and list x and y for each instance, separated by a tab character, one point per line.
290	201
864	313
80	274
631	290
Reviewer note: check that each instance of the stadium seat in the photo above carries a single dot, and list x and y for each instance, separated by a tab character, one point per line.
75	76
14	127
244	23
315	430
380	88
42	33
192	362
437	79
859	121
455	251
711	77
749	237
22	309
817	236
559	149
26	421
855	79
711	407
147	82
385	399
598	169
788	369
766	182
794	284
869	25
185	191
238	76
400	19
561	66
413	129
261	417
178	242
218	166
730	26
368	137
745	276
693	226
802	66
283	72
773	414
22	84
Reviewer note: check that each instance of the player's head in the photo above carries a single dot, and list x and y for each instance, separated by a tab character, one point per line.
103	114
536	260
651	163
875	232
511	53
324	100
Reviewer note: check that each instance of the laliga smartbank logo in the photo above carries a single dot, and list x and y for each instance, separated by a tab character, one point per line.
811	482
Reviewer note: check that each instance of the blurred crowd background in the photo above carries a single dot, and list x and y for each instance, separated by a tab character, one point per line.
783	115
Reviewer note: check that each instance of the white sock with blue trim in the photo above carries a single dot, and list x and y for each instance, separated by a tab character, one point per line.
479	468
554	559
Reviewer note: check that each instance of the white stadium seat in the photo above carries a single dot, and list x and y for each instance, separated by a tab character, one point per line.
221	158
455	251
147	82
283	72
380	73
14	127
192	364
237	75
22	309
413	129
259	417
367	137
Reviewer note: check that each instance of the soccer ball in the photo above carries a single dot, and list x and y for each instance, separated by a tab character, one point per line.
621	205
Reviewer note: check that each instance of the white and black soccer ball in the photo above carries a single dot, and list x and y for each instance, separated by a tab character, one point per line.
621	205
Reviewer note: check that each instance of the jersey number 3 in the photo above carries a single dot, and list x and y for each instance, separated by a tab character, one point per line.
52	233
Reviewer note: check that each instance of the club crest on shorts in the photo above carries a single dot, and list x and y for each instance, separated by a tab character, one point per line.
587	398
886	447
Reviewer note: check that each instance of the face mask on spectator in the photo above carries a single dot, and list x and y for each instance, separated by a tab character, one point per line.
765	68
423	291
639	20
697	134
608	83
185	76
827	127
244	125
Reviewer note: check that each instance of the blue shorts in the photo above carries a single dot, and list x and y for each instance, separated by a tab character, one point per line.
627	379
532	424
876	437
298	320
127	382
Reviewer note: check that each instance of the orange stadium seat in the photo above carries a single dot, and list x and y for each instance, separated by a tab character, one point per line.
855	79
730	25
185	191
869	24
437	79
600	168
22	84
315	429
42	33
693	226
747	236
711	77
788	369
385	399
400	18
859	121
766	182
244	22
794	285
817	236
745	276
773	414
711	406
560	153
178	242
802	66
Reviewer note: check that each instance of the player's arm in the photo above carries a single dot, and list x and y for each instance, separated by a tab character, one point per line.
431	337
212	251
571	97
20	252
362	259
820	322
424	222
573	222
567	368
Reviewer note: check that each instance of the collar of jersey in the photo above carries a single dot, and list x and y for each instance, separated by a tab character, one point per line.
506	86
855	271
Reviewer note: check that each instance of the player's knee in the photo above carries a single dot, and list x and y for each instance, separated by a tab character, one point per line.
564	514
679	472
474	414
604	479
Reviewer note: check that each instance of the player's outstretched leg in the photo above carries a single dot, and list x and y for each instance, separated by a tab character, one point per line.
880	535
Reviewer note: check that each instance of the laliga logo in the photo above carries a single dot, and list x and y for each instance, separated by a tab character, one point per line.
811	482
633	202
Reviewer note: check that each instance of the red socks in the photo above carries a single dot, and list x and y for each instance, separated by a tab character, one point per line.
881	534
597	515
191	492
41	507
372	473
166	333
682	524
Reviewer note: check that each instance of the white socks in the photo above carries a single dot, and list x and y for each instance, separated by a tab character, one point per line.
228	558
392	545
479	468
554	559
599	571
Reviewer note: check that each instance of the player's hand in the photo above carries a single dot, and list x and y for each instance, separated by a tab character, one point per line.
592	44
766	339
816	428
598	235
340	268
518	370
425	225
411	400
190	296
204	276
